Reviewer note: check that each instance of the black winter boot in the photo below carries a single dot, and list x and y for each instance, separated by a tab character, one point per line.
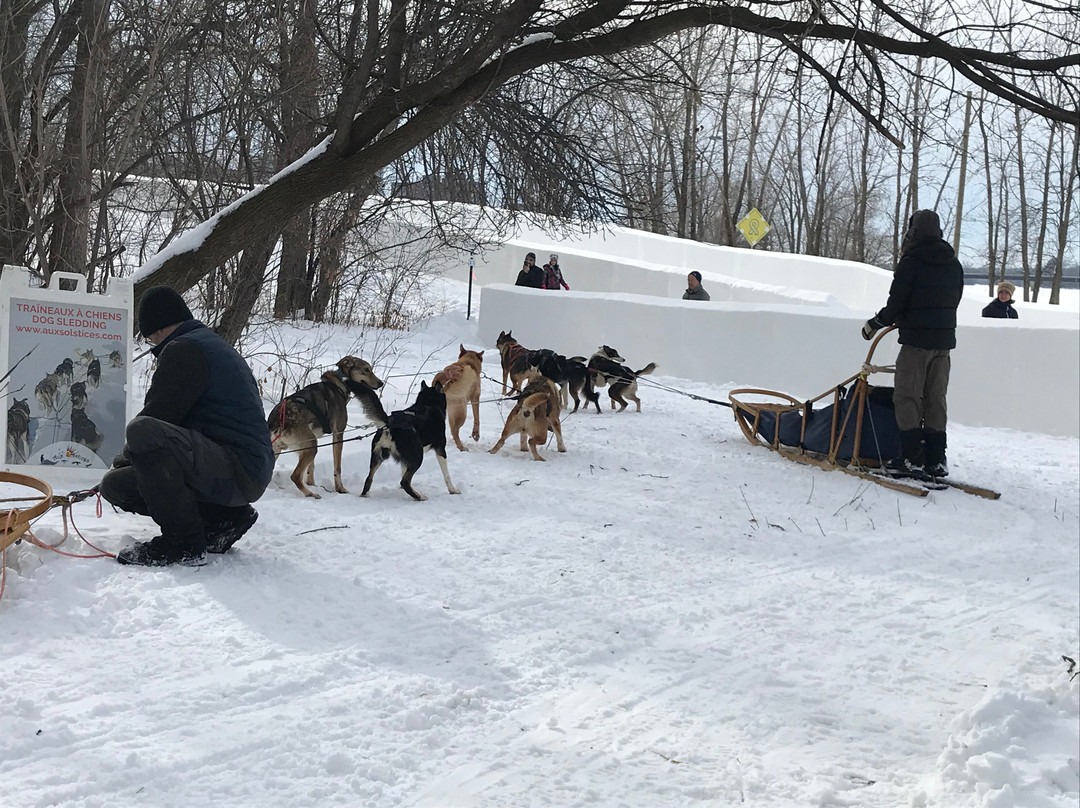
935	454
163	551
910	462
223	533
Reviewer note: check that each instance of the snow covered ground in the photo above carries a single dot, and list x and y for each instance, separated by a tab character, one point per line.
663	616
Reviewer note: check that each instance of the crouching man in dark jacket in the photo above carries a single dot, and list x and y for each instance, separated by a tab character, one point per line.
199	451
925	293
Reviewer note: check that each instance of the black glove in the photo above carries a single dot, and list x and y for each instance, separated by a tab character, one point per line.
871	327
121	460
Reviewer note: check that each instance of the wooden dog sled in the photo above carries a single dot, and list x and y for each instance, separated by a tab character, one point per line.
14	522
849	427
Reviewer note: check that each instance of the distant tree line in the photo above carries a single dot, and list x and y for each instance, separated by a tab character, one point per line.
135	133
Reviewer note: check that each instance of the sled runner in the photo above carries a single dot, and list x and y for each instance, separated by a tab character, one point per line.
850	427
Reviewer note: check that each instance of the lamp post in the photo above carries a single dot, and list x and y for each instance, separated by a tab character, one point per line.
468	305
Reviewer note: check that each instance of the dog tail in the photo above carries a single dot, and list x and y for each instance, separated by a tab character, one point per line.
534	405
369	401
645	371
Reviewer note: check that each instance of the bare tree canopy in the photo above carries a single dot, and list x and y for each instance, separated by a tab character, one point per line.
410	67
126	123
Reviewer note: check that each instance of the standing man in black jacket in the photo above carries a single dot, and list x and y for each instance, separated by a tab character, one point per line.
531	275
199	451
925	293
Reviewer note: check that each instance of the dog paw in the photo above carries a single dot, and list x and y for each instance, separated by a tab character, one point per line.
454	491
312	494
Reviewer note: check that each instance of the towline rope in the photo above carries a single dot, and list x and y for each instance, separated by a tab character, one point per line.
15	524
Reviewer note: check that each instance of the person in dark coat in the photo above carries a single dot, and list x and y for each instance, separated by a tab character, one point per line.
531	275
198	453
926	289
553	278
1001	307
694	289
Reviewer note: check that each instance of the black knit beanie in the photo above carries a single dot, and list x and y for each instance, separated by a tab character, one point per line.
160	307
697	275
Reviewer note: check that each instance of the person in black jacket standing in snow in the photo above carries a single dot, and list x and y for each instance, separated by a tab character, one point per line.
198	453
925	293
531	275
1001	307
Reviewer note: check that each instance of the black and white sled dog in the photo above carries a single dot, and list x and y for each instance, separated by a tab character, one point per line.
65	372
405	434
609	369
93	372
85	431
77	392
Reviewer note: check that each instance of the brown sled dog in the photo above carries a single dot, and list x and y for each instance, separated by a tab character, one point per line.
515	362
536	412
460	383
298	421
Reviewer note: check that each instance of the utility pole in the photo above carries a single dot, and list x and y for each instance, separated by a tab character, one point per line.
468	305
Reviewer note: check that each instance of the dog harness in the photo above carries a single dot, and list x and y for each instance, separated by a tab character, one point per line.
321	416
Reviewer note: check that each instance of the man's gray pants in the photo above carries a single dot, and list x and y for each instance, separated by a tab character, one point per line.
177	476
921	385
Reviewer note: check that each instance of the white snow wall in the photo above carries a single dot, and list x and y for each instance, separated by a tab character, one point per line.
1003	375
777	321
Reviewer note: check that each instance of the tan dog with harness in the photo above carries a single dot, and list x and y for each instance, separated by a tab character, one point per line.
536	412
460	383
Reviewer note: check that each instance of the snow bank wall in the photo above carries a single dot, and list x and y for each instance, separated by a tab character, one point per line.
729	274
1003	374
643	263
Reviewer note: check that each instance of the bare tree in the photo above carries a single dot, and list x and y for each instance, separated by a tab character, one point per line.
1021	176
1070	166
399	74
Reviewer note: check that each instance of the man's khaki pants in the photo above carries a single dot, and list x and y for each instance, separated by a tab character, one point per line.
921	384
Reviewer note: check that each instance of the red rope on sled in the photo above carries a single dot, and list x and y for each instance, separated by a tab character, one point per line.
65	504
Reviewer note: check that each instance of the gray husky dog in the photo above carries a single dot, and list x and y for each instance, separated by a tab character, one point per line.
299	420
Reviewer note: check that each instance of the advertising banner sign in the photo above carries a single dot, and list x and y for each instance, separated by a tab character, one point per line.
65	363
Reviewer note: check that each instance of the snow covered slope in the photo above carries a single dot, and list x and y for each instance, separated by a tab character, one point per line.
662	616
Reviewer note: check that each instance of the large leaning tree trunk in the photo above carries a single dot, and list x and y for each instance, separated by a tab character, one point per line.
413	65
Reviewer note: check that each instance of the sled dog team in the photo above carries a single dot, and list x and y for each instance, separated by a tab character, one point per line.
541	382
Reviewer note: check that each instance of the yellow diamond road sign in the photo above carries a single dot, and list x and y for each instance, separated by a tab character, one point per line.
754	227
